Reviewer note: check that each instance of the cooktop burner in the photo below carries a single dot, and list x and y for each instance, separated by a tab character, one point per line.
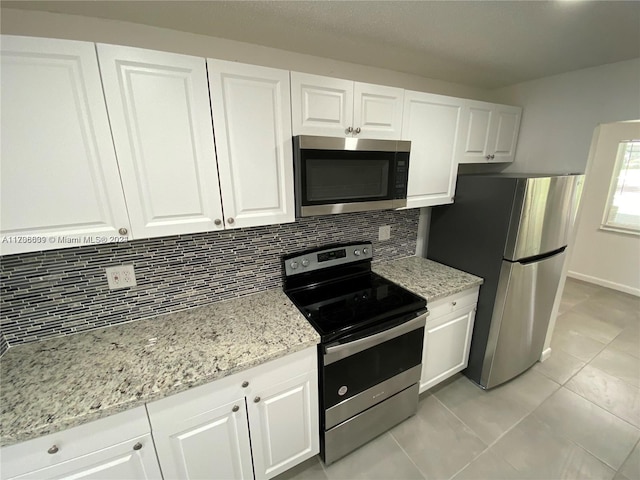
339	294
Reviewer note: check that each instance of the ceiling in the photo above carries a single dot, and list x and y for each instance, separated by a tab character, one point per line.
482	43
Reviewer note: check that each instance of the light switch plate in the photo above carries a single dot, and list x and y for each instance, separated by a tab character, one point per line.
122	276
384	233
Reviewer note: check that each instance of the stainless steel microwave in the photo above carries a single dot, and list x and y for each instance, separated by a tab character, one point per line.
340	175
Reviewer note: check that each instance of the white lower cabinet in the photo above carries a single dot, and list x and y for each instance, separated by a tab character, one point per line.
254	424
119	446
447	337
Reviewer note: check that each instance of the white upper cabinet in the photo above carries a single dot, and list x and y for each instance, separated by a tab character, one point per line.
337	108
491	132
60	185
321	105
432	124
252	124
158	105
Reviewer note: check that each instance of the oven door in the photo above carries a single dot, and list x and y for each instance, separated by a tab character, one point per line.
370	368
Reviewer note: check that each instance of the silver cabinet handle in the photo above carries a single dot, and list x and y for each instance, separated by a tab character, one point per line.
123	231
488	157
217	222
230	221
357	130
349	129
53	449
137	446
235	408
256	400
245	384
492	156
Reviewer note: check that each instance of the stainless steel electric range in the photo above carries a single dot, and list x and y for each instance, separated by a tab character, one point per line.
371	343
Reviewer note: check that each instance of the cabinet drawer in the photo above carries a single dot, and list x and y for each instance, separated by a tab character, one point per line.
76	442
452	303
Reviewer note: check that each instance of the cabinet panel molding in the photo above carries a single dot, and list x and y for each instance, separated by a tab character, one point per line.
161	122
60	181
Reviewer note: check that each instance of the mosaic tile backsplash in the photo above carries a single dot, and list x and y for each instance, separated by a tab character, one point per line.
61	292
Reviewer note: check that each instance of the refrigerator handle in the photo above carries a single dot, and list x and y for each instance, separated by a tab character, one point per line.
542	256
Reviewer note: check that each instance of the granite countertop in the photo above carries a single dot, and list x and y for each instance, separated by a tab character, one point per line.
62	382
427	278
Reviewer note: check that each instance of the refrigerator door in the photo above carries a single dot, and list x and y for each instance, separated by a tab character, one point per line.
542	215
525	297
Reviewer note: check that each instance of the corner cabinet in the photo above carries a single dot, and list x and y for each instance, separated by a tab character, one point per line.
337	108
158	105
447	337
432	124
254	424
59	177
252	124
491	133
119	446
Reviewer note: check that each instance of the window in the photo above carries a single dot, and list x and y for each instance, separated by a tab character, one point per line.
623	207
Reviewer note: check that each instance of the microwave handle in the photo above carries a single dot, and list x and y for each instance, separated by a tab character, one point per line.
338	352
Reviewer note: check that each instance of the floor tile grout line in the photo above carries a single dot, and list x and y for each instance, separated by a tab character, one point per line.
408	456
563	435
628	456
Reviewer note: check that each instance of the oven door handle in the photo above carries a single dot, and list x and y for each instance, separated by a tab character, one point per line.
338	352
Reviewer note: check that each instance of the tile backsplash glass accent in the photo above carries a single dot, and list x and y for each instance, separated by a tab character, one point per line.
61	292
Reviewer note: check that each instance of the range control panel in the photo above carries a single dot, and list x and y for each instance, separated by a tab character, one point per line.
329	257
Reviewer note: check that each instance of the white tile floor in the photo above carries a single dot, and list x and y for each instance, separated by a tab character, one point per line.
575	416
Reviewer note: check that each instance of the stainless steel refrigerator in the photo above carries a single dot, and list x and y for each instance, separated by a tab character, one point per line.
511	230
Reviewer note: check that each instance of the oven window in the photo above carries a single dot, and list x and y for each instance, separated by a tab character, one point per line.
365	369
334	180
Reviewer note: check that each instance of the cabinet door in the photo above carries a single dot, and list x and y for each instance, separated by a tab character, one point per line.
474	147
431	123
284	424
60	185
321	105
202	433
252	122
446	346
504	135
377	111
159	110
134	459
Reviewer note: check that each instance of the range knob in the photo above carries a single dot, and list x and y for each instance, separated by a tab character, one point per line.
365	250
294	265
356	252
305	262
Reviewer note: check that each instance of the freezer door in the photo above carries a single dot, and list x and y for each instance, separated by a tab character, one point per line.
542	215
526	292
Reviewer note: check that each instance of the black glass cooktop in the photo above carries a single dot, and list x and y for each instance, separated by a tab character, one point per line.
344	306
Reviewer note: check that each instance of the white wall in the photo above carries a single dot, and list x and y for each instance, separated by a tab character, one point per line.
44	24
561	112
607	258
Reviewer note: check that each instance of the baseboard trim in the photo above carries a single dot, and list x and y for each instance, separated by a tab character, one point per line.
546	353
605	283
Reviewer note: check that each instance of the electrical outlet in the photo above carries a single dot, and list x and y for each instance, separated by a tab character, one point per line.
384	233
122	276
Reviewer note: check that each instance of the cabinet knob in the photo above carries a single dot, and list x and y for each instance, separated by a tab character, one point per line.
235	408
217	222
488	157
453	303
137	446
53	449
349	129
492	156
245	384
256	400
357	130
123	231
230	221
